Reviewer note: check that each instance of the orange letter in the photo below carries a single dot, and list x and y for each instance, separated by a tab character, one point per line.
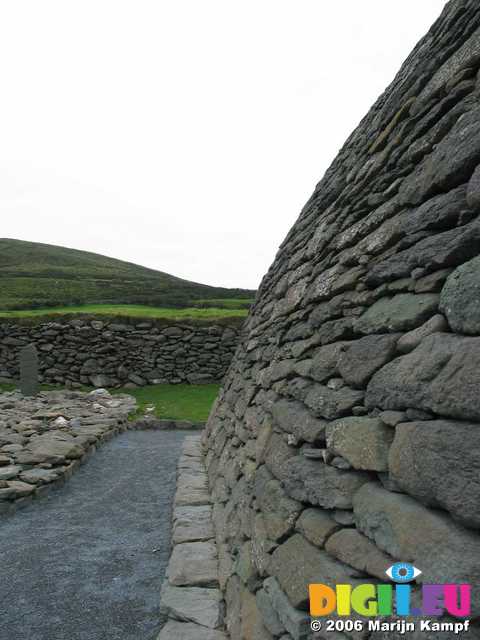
322	600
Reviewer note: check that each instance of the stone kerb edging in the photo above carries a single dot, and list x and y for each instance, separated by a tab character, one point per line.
190	597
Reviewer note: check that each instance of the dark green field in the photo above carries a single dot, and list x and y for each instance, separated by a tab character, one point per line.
34	275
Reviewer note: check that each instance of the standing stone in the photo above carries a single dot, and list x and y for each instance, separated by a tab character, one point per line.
29	370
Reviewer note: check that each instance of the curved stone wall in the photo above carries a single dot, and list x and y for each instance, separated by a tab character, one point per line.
347	433
127	352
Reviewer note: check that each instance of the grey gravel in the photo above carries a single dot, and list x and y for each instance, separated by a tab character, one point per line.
87	563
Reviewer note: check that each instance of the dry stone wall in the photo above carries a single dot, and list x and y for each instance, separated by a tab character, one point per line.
110	353
347	433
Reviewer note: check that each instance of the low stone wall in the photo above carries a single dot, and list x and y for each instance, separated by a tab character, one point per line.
44	439
109	353
191	598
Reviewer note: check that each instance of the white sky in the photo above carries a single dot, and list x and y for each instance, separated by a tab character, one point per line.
184	135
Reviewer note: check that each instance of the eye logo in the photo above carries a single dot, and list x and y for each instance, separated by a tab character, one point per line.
402	572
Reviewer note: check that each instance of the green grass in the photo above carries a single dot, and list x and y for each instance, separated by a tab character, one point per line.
227	303
173	401
130	310
176	401
34	275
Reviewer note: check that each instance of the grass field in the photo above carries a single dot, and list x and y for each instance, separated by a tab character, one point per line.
174	401
133	311
34	275
177	401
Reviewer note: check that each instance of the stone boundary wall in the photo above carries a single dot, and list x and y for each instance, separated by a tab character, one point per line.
190	597
346	436
114	353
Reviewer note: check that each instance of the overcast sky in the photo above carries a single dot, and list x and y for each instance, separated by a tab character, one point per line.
184	135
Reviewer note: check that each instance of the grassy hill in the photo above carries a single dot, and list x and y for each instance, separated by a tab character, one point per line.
34	275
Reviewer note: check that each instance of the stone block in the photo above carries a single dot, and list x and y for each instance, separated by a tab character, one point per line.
332	403
403	312
297	563
444	551
193	564
460	298
442	375
361	358
192	524
192	604
294	417
175	630
316	525
438	462
356	550
316	483
278	509
364	442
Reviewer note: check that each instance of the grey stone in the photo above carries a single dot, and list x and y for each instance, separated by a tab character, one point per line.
444	551
344	517
460	298
295	622
193	564
297	563
412	339
279	510
473	191
316	483
442	375
466	55
192	604
440	251
392	418
277	453
316	525
438	462
364	442
29	373
175	630
21	489
449	165
38	476
9	472
192	524
361	358
329	403
269	615
55	445
403	312
292	416
356	550
325	361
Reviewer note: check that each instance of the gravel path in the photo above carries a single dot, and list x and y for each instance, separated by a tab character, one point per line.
88	562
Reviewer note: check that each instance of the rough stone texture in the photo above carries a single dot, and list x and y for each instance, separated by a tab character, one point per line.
192	604
104	353
460	300
443	549
28	358
349	328
437	474
44	438
441	375
364	442
190	596
174	630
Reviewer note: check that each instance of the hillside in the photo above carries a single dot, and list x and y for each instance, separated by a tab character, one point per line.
34	275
